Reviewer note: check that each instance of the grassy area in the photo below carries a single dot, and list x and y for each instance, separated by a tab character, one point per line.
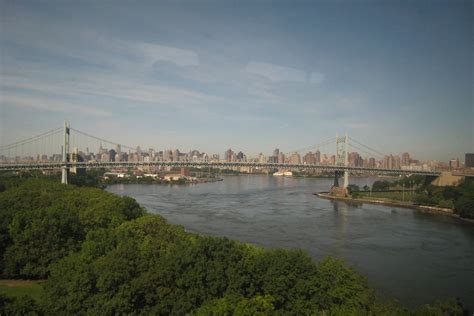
19	288
388	196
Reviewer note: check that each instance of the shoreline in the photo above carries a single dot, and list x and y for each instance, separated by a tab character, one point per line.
422	208
196	181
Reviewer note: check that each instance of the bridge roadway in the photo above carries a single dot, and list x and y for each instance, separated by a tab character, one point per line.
216	164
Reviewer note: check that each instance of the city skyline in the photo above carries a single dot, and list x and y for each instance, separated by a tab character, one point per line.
253	76
316	156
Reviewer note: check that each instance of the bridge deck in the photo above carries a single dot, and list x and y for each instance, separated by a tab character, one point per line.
217	164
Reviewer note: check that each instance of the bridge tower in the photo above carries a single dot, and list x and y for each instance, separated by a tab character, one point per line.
65	153
342	158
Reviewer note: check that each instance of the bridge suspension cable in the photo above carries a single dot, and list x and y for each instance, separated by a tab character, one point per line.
31	139
101	139
371	150
317	146
368	153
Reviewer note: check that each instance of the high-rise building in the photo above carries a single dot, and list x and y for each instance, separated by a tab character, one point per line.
325	159
371	162
469	161
168	155
391	162
309	159
124	157
454	163
388	162
175	155
281	157
317	156
396	162
228	155
151	153
355	160
295	158
276	152
405	159
118	154
112	155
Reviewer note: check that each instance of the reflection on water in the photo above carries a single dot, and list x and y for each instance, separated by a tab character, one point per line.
412	256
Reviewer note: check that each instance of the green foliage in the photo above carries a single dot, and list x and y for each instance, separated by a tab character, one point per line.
353	188
91	178
237	305
423	198
380	186
465	206
157	268
460	197
40	237
356	194
42	221
446	204
21	306
440	308
340	285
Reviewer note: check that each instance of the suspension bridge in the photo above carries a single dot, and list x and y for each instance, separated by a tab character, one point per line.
32	154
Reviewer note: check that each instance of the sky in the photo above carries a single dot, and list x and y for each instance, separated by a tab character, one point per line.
251	76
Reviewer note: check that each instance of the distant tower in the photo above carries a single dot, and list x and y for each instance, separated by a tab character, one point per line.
119	152
342	158
65	169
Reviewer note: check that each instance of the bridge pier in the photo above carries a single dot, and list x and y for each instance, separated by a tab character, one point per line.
337	174
342	157
65	169
346	178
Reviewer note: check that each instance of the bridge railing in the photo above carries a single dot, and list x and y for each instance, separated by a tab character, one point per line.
216	164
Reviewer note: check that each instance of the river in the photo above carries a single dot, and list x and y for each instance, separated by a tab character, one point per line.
412	256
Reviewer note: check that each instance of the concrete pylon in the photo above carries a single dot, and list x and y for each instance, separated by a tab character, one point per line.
342	156
346	160
65	153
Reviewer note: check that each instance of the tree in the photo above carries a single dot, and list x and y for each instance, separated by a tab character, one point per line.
23	305
464	206
353	188
39	238
380	186
237	305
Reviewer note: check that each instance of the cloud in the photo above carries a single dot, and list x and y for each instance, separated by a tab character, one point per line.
350	103
280	73
180	57
48	105
78	86
316	78
275	72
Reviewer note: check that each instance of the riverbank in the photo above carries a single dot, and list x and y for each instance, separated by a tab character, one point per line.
423	208
149	180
